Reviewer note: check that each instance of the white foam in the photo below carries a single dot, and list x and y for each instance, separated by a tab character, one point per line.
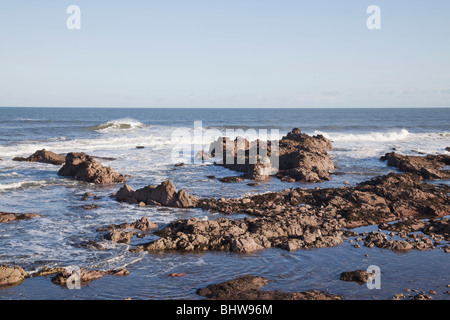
22	184
390	136
119	125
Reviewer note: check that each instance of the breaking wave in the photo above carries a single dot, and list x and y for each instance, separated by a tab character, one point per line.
391	136
119	125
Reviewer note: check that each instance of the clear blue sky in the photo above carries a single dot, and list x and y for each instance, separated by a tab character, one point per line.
225	53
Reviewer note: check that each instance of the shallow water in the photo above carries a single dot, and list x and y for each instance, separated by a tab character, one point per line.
360	138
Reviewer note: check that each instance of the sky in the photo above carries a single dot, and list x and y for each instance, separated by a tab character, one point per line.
225	54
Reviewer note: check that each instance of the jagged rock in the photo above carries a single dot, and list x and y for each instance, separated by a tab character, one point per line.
44	156
123	233
380	240
305	158
249	288
301	157
165	194
358	276
119	236
86	275
47	271
247	235
84	168
382	199
231	179
9	217
428	167
10	276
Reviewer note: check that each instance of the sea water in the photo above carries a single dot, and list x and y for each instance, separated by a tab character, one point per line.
60	237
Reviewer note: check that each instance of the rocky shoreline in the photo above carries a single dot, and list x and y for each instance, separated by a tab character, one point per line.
409	211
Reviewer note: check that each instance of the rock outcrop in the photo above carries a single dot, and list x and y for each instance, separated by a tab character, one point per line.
381	199
86	276
84	168
291	232
9	217
306	218
300	157
123	233
10	276
358	276
44	156
428	167
249	288
305	158
164	195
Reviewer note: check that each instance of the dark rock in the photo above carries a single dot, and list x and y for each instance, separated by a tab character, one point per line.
358	276
165	194
44	156
249	288
123	233
143	224
247	235
301	157
380	240
428	167
231	179
177	275
11	276
119	236
86	276
47	271
140	147
9	217
90	207
84	168
180	164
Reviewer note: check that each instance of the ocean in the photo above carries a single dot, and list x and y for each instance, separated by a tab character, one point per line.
360	137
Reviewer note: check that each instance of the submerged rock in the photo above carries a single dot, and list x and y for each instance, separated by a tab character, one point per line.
249	288
231	179
84	168
44	156
165	195
119	236
10	276
9	217
86	276
358	276
123	233
47	271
